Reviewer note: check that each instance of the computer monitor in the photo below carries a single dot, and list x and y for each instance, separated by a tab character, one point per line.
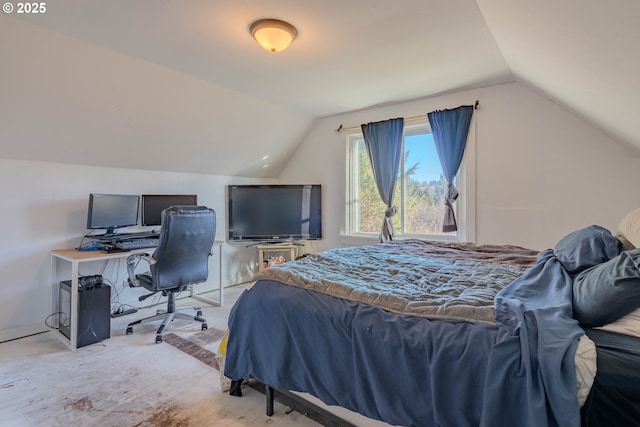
112	211
154	204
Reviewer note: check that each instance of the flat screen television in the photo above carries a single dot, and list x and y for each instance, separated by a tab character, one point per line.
154	204
112	211
274	212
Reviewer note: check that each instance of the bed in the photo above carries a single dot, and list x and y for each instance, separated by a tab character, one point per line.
419	333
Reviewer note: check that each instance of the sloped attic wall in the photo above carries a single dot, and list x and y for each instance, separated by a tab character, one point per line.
68	101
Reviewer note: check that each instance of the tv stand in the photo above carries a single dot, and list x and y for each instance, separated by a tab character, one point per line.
268	252
275	243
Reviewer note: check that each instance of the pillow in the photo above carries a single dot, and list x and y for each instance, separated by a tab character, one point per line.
626	245
586	247
606	292
629	228
626	325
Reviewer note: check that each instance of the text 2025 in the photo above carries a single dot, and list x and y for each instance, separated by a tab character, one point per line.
31	7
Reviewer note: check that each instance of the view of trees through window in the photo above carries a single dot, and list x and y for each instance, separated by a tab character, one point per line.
419	195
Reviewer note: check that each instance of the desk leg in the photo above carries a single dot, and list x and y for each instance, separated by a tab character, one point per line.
220	292
55	290
73	300
220	301
73	316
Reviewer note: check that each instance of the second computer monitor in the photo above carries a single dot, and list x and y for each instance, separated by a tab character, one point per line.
154	204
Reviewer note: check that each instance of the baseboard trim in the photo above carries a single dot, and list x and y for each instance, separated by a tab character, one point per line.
22	331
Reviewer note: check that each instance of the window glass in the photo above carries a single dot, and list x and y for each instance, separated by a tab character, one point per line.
426	186
420	189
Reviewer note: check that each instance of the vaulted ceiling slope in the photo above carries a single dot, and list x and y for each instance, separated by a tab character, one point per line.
584	54
182	86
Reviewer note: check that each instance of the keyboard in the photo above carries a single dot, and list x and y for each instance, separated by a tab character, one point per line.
128	245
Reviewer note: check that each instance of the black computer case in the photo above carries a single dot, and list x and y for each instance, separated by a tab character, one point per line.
93	317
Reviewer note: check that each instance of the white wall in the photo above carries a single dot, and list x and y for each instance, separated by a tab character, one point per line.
44	207
541	171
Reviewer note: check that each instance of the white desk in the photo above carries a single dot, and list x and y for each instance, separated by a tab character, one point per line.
216	244
74	258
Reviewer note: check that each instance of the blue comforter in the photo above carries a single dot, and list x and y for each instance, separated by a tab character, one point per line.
414	371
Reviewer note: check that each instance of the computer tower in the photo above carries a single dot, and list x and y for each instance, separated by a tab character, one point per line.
93	317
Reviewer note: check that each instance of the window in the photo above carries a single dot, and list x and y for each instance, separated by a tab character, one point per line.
420	190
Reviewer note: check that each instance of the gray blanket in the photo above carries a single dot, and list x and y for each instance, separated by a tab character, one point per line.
454	281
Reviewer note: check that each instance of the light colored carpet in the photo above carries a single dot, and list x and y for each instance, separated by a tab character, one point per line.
127	380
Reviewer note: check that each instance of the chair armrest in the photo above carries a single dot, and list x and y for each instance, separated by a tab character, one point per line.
140	257
132	261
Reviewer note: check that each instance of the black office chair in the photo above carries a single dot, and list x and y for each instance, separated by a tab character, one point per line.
180	260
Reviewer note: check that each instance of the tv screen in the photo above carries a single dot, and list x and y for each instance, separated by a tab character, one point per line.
112	211
274	212
154	204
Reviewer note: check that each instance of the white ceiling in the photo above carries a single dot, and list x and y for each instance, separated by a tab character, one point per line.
350	55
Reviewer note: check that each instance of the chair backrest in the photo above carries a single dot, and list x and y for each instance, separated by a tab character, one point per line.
186	241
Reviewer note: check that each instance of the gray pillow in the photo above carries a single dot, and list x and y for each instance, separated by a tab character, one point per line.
606	292
586	247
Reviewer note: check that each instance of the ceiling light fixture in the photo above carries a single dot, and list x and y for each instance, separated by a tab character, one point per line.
273	34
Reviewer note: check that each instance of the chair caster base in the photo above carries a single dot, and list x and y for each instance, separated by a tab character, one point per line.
129	330
204	327
158	339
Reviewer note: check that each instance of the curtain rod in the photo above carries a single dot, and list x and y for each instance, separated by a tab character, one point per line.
407	119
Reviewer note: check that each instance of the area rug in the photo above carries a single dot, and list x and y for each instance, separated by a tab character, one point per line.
195	345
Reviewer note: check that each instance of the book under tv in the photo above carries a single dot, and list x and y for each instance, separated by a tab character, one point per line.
274	212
